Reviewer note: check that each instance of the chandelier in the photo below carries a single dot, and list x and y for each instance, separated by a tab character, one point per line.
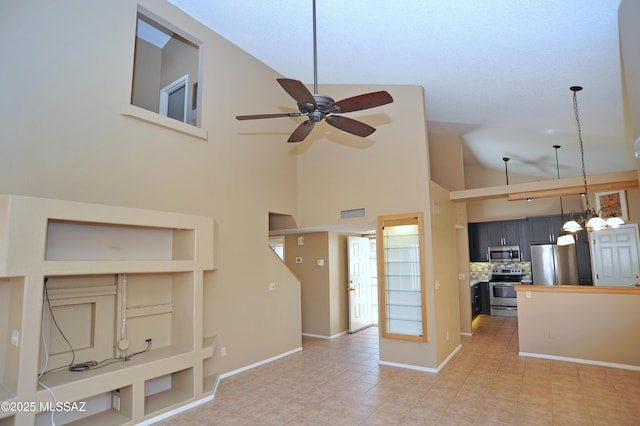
589	219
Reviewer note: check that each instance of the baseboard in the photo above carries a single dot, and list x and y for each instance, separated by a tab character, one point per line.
175	411
451	355
466	334
581	361
420	368
320	336
408	366
259	363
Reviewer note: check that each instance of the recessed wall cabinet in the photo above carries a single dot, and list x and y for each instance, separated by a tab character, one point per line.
401	271
85	282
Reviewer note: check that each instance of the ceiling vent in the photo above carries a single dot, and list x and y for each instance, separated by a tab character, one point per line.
350	214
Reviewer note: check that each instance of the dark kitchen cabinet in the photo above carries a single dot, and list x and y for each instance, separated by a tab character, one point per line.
478	242
583	253
480	299
504	233
483	235
545	229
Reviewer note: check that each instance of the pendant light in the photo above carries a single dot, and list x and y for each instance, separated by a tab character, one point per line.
506	169
589	219
567	237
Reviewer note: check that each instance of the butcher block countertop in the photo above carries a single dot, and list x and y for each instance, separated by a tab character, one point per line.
577	289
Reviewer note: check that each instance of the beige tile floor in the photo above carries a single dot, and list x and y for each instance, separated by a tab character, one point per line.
339	382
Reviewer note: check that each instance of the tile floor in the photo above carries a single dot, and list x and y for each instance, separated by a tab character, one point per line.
339	382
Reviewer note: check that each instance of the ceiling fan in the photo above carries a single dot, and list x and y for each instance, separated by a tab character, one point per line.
317	107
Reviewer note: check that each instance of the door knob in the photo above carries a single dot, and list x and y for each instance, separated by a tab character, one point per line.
351	289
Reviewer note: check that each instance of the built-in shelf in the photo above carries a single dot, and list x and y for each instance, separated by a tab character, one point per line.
8	421
179	388
114	279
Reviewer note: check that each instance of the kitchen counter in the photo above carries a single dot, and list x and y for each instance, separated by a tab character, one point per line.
585	324
577	289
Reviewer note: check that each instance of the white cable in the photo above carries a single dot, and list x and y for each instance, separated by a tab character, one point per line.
55	402
46	355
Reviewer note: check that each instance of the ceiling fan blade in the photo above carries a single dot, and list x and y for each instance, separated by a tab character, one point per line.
259	116
297	91
350	125
360	102
301	132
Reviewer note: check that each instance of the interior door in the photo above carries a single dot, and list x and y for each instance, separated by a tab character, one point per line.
615	256
359	285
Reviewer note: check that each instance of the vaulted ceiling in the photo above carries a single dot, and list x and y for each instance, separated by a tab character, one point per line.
497	73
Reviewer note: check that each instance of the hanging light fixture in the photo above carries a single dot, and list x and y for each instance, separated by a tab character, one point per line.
589	219
567	237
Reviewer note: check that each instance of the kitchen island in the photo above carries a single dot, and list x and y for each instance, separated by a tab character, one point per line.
585	324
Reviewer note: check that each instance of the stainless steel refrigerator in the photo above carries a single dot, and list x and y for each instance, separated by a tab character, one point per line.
554	265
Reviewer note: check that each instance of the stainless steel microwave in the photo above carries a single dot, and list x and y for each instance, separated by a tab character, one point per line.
504	254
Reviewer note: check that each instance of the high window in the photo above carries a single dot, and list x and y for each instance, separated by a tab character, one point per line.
165	73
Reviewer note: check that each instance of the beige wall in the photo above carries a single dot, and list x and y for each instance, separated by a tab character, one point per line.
444	217
384	173
63	137
584	326
314	279
446	163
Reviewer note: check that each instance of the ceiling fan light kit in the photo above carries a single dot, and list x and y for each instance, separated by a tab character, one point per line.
589	219
318	107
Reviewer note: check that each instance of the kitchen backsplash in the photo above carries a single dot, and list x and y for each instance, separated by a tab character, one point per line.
481	271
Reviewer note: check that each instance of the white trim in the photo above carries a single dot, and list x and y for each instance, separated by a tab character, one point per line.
582	361
466	334
157	119
419	368
320	336
259	363
451	355
169	89
408	366
175	411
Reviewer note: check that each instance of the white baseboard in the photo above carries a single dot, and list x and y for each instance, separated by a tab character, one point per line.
175	411
420	368
408	366
581	361
259	363
320	336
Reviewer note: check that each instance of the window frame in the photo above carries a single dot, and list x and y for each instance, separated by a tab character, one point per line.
383	277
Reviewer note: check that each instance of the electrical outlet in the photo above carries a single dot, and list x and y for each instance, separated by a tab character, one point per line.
448	336
15	338
223	351
272	286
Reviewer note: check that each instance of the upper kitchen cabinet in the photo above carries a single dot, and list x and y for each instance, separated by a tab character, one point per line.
478	242
545	229
505	233
483	235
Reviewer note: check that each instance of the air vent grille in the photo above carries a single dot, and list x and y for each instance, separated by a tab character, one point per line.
350	214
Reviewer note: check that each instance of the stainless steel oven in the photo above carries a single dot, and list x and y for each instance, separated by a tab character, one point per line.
502	295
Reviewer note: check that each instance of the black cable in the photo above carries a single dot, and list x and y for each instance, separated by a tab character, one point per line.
53	318
88	365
